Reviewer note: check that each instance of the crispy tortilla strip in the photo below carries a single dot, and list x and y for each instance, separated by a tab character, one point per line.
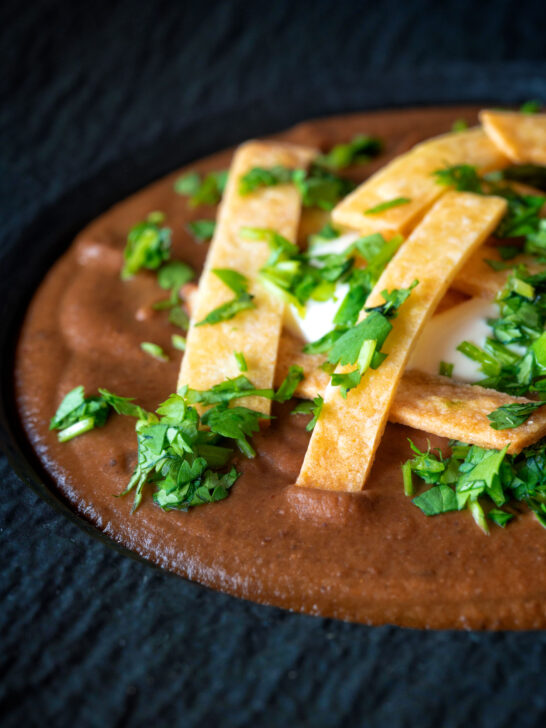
522	137
346	436
209	357
411	176
477	278
459	411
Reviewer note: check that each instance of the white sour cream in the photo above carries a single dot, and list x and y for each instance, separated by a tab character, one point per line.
444	332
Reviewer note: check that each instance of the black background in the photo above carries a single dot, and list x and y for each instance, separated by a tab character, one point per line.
96	99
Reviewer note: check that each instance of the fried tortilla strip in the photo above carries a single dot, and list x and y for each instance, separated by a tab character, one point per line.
209	357
346	436
478	278
459	411
410	176
522	137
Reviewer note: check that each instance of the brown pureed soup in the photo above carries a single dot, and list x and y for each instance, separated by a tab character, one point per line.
370	557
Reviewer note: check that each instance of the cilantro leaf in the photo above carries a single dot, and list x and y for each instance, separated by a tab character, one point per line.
359	150
532	106
154	350
462	177
308	407
148	246
78	414
202	230
445	369
125	406
179	342
242	301
202	191
500	517
321	188
512	415
289	384
264	177
436	500
387	205
241	361
178	317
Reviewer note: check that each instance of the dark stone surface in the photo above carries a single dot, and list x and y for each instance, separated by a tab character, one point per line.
95	100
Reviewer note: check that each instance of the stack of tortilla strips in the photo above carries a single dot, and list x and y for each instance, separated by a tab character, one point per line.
445	231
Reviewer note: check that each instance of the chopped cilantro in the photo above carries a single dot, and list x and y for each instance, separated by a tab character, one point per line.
359	150
512	415
308	407
241	361
264	177
328	232
148	246
154	350
361	344
78	414
243	299
202	230
462	177
531	107
178	317
387	205
174	275
445	369
472	476
459	125
202	191
179	342
321	188
500	517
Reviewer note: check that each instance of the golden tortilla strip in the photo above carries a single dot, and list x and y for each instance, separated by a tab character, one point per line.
478	278
427	402
209	357
459	411
522	137
410	176
346	436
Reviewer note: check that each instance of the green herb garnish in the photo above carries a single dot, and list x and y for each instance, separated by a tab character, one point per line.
472	477
445	369
359	150
202	230
78	414
318	186
202	191
148	246
179	342
512	415
185	463
308	407
154	350
387	205
241	361
361	344
264	177
243	299
531	107
459	125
